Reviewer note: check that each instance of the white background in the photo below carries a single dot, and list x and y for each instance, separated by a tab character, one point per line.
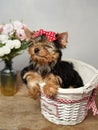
78	17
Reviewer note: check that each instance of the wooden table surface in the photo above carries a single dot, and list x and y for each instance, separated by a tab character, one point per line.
21	112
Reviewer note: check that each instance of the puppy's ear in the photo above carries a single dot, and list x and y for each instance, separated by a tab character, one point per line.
28	33
62	39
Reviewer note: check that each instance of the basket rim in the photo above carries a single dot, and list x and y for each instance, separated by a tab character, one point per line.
81	89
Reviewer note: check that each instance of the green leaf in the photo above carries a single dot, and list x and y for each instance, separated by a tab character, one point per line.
1	45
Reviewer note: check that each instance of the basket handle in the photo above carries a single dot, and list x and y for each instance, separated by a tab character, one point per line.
92	85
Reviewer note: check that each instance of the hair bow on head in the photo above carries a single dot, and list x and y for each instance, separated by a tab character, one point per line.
49	34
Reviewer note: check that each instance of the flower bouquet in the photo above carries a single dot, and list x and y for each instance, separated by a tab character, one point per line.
14	38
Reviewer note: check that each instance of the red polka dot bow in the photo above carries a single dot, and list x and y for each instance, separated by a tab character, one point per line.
91	103
49	34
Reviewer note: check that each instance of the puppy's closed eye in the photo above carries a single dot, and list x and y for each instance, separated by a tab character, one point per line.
49	48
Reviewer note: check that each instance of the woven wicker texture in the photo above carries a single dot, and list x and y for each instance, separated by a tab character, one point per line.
70	106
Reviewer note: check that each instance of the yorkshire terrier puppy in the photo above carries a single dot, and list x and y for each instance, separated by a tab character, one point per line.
46	65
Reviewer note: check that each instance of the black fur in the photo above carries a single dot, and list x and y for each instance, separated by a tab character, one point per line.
69	76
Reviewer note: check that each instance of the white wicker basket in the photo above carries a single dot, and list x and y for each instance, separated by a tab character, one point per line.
70	105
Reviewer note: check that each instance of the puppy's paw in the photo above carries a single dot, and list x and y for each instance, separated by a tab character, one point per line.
50	90
28	75
34	92
55	79
32	76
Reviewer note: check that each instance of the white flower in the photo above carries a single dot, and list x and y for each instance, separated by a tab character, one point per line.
18	25
1	52
8	29
17	43
13	44
4	50
3	38
9	44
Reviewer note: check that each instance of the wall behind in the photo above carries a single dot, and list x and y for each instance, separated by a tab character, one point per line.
78	17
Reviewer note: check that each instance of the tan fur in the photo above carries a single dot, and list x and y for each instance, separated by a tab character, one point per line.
33	81
43	55
52	85
28	33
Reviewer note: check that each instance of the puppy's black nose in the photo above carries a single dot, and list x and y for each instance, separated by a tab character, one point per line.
36	50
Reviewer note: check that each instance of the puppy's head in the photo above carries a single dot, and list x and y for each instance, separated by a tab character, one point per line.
44	49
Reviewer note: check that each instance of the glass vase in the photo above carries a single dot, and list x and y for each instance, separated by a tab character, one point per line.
8	77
